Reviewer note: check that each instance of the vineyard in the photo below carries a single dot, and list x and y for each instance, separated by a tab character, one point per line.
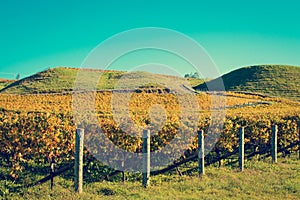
149	100
37	128
41	114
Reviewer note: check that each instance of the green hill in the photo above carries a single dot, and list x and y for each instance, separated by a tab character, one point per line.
61	79
4	83
273	80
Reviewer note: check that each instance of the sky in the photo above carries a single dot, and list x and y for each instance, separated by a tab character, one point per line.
37	35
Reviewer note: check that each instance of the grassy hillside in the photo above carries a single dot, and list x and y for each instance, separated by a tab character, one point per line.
274	80
62	79
4	83
57	80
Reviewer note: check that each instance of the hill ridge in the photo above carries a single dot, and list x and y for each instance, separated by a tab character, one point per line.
62	79
273	80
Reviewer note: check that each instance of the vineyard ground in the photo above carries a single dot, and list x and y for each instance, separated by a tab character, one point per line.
260	180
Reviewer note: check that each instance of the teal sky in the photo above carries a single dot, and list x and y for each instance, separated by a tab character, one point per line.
36	35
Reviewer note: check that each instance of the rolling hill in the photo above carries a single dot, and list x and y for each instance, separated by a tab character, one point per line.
272	80
61	79
4	83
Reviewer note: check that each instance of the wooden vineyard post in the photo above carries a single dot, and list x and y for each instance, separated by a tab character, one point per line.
201	152
52	170
146	158
78	160
241	148
274	143
123	172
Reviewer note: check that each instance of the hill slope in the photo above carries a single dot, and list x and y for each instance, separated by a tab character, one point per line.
274	80
61	79
4	83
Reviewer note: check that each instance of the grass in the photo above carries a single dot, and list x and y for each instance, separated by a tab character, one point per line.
194	81
274	80
260	180
4	83
61	79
